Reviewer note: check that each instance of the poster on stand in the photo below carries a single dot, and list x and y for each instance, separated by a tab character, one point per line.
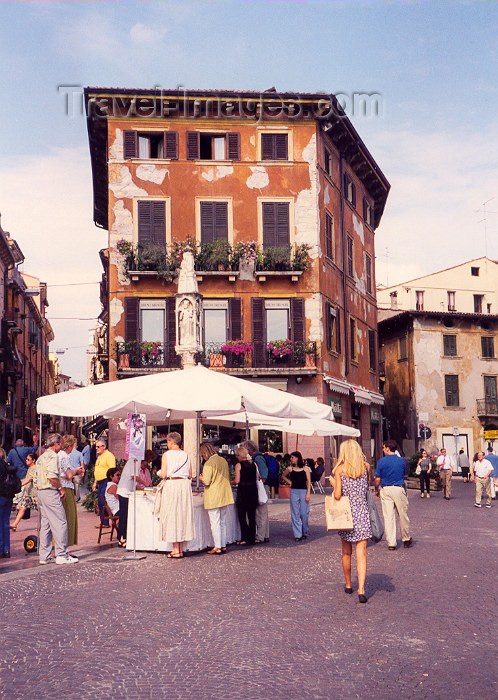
135	436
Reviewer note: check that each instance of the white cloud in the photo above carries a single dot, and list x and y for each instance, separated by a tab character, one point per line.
47	208
145	34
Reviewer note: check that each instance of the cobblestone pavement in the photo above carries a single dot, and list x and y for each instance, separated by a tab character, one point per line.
267	622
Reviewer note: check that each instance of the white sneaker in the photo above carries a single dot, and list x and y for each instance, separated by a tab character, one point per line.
50	560
66	560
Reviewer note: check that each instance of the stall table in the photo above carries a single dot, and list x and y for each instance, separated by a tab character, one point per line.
148	526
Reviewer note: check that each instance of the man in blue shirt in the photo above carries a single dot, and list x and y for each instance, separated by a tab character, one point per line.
390	477
17	457
493	459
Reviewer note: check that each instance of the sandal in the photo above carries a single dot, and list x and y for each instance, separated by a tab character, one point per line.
121	543
174	555
215	551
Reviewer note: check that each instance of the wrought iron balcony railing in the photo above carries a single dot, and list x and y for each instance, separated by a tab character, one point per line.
487	407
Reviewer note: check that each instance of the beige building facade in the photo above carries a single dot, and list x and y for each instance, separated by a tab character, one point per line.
471	287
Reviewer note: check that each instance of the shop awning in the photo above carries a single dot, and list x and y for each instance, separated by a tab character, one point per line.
362	395
338	386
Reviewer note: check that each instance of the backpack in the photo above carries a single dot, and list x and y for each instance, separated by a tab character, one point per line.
10	483
272	465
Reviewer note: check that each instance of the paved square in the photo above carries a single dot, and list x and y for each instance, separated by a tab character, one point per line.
268	622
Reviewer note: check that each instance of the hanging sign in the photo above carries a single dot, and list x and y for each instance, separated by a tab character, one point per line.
135	436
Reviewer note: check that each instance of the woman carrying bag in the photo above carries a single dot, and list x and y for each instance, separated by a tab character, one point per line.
350	478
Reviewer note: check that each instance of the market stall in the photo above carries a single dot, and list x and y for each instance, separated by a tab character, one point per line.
148	527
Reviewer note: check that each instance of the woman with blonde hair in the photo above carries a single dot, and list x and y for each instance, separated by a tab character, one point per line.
177	506
350	478
217	494
245	479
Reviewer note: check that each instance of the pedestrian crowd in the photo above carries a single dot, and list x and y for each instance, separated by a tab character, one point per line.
51	483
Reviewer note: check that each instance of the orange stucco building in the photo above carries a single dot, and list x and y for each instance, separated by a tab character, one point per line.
280	199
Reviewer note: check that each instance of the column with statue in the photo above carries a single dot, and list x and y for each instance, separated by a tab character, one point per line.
188	313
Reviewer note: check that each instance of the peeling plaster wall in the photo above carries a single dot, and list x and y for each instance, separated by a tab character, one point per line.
313	312
217	173
306	208
152	173
121	183
259	178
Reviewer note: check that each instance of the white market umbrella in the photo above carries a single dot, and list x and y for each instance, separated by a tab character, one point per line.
298	426
181	394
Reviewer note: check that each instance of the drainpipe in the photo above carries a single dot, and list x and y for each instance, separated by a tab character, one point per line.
344	258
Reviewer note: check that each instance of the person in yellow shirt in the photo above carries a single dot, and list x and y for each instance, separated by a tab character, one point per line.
217	494
105	460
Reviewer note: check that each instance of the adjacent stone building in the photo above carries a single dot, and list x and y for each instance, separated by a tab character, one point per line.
279	198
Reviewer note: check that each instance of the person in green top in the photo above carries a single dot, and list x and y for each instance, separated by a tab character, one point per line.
217	494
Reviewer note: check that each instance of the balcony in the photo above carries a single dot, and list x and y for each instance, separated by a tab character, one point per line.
216	259
487	407
236	357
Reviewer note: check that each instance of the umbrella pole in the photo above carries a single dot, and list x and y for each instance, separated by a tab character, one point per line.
134	556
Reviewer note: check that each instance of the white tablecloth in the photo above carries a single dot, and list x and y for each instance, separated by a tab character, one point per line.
148	529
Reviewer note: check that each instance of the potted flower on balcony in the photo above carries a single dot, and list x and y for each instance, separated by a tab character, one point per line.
279	350
150	353
301	259
237	352
123	351
310	354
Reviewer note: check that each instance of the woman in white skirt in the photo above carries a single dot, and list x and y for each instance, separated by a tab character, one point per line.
177	507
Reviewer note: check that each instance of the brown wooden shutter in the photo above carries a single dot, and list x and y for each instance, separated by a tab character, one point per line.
221	220
328	236
235	306
267	146
152	222
132	307
193	145
258	332
280	147
297	319
144	222
207	222
159	223
328	325
353	192
338	331
171	358
283	233
269	225
171	145
130	144
233	148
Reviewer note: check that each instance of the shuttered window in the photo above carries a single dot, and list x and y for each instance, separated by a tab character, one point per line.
367	212
150	145
235	311
274	146
205	146
276	230
372	354
214	221
349	190
329	236
353	340
451	390
488	346
276	319
350	256
258	331
368	272
152	222
332	328
449	345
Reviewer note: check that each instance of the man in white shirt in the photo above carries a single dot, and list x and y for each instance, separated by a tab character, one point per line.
482	476
445	464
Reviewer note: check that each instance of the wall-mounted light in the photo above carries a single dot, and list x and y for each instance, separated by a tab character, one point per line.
299	380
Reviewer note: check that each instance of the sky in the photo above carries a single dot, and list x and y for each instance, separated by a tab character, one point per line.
434	66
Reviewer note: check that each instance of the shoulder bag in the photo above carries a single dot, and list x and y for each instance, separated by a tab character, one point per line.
375	520
262	495
338	513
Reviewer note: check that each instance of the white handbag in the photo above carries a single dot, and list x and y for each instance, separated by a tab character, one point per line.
262	495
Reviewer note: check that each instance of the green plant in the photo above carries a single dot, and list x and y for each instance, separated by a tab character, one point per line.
275	259
301	259
214	255
90	501
245	252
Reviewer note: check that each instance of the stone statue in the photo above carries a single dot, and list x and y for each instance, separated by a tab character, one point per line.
186	324
187	281
188	310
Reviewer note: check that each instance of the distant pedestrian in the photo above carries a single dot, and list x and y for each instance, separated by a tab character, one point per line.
66	475
86	452
105	461
247	495
17	457
53	524
482	477
298	477
177	506
77	464
319	468
390	479
29	493
262	521
463	462
111	495
9	485
217	494
351	476
424	464
493	459
445	464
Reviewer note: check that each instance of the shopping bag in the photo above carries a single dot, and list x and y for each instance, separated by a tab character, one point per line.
262	495
338	513
375	519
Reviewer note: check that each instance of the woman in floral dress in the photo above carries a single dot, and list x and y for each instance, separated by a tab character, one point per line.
29	493
350	478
